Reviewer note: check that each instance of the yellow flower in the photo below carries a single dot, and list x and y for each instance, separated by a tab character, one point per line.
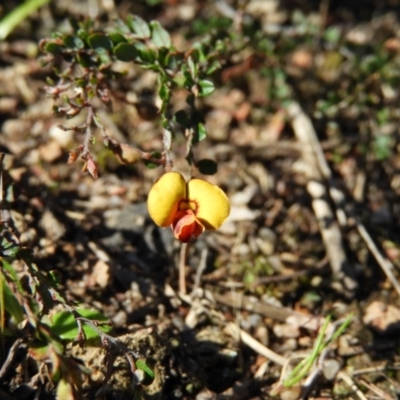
188	207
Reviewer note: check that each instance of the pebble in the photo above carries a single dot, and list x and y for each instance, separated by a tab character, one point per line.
330	368
286	331
382	317
63	138
292	393
101	274
53	228
120	319
131	217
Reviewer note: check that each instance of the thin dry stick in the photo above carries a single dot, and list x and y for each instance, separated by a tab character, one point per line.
88	134
12	354
254	344
182	265
339	199
200	270
167	135
347	379
384	263
374	370
379	392
328	225
279	313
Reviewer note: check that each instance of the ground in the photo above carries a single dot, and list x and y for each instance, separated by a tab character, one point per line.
304	127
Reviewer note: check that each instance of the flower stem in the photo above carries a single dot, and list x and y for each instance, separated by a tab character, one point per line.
88	134
182	265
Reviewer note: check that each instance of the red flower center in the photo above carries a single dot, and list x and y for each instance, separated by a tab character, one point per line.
185	224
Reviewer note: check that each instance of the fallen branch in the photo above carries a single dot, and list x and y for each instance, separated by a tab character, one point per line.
303	129
317	172
279	313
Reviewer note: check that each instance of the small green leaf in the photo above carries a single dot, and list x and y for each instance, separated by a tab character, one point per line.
138	26
73	42
38	350
206	87
82	83
382	115
82	34
56	35
198	52
9	249
249	278
100	42
159	35
11	303
162	55
103	57
189	81
64	326
150	164
332	34
117	38
201	132
55	277
207	166
141	364
192	66
173	60
12	274
164	92
121	26
147	55
125	52
180	80
220	46
213	66
382	147
53	48
87	24
49	81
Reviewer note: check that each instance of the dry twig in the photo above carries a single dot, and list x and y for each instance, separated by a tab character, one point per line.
12	353
383	262
347	379
305	132
317	172
270	310
233	330
379	392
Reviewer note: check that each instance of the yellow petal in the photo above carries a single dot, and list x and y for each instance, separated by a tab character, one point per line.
164	197
212	203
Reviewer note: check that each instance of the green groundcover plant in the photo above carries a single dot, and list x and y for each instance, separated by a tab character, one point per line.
32	305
